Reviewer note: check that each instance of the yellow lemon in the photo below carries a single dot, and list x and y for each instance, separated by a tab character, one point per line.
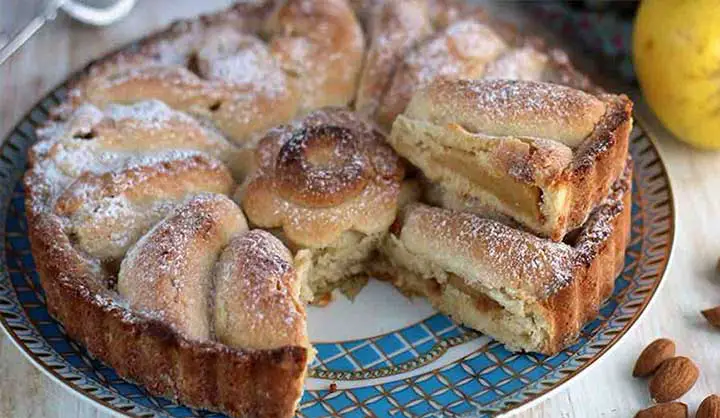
676	50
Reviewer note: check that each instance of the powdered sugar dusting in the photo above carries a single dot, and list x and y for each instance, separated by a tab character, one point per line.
340	174
241	59
517	96
322	44
154	114
365	175
220	72
169	271
106	213
498	255
396	27
463	50
257	302
525	63
517	108
121	137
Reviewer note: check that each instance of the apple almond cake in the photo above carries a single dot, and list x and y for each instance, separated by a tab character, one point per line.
198	189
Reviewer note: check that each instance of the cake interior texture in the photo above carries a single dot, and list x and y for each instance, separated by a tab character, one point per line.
515	149
507	283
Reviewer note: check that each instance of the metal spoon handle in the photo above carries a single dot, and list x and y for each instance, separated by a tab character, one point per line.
85	14
50	12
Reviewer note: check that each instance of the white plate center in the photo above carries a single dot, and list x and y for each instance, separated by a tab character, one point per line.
378	309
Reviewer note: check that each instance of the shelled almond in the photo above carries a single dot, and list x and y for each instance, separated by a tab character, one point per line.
709	408
670	378
652	356
674	378
713	316
665	410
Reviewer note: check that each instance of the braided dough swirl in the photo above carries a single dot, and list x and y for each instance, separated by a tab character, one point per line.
328	173
221	69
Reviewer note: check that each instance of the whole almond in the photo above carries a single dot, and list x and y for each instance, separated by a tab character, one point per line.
673	378
709	408
651	357
713	316
665	410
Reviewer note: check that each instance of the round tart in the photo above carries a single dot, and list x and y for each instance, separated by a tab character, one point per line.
197	189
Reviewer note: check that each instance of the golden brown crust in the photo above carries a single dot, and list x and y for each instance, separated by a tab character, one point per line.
502	108
207	375
463	50
167	274
215	67
257	294
599	160
393	29
89	137
600	256
147	351
322	44
108	212
564	283
321	166
330	174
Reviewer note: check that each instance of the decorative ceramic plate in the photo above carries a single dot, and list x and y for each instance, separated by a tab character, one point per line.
385	355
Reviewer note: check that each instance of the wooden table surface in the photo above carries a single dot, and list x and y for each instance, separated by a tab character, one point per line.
606	390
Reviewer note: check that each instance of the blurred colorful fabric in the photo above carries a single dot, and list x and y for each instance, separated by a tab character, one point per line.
601	26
